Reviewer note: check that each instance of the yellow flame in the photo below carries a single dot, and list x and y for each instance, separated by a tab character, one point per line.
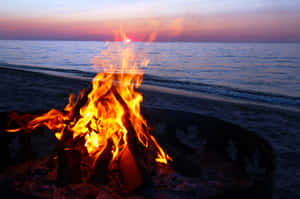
101	117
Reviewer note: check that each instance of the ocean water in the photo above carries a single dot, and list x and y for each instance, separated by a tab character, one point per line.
258	72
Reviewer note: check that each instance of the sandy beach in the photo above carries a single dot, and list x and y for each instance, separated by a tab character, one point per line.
25	91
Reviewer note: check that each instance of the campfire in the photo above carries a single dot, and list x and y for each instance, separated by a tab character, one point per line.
106	149
101	134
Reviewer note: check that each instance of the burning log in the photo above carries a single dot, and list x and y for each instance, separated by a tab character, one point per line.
134	146
67	136
68	171
101	166
69	157
132	164
131	175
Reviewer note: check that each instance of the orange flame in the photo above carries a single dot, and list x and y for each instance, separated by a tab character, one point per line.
100	118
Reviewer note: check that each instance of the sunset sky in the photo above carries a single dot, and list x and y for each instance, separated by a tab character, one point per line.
171	20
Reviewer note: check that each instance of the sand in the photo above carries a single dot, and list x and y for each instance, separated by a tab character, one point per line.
29	91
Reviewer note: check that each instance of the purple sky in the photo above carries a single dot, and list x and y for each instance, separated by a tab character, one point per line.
176	20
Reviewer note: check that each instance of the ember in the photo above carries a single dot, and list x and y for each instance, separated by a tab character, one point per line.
103	128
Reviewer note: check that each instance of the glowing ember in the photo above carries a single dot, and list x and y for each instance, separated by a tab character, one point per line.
112	98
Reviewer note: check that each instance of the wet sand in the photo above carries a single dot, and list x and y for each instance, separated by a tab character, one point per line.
29	91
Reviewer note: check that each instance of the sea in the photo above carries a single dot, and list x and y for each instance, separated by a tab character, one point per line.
267	73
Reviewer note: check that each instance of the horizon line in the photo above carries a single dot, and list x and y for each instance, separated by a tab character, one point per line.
163	41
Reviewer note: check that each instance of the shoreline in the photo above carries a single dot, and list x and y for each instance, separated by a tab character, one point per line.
172	91
209	91
31	91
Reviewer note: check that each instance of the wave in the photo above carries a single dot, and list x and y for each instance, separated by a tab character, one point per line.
52	69
269	98
217	90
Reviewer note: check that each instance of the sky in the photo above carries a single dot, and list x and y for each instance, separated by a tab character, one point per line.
164	20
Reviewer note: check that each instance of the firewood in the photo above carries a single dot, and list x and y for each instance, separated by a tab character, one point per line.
135	147
131	175
69	158
100	167
133	158
68	171
67	136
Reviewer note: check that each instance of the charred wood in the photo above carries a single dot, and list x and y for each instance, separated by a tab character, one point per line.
68	171
100	167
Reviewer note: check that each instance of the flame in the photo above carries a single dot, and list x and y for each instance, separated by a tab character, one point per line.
100	118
